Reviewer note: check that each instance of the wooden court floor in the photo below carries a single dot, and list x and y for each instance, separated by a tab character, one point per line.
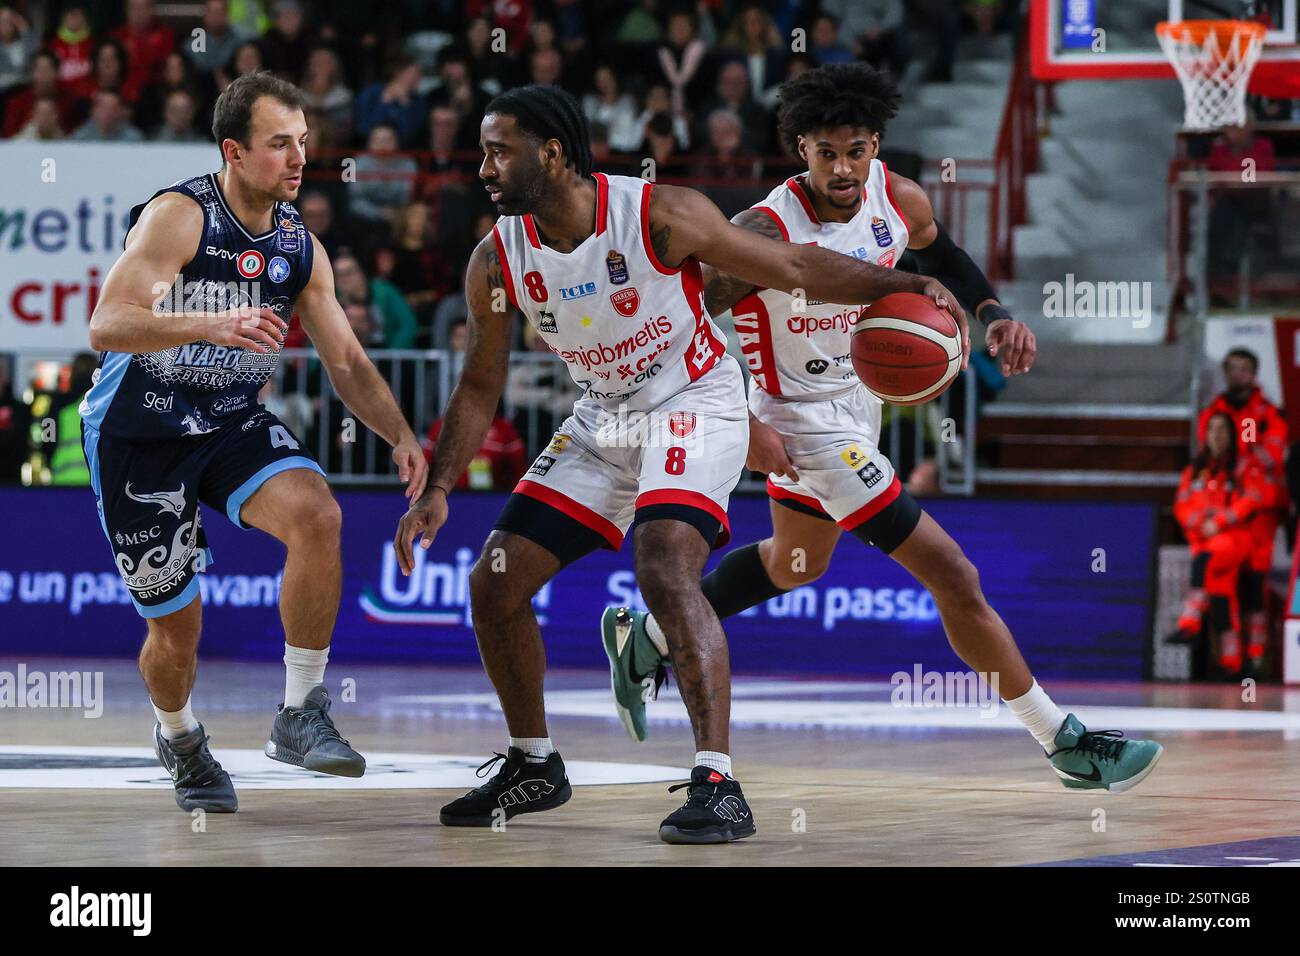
835	776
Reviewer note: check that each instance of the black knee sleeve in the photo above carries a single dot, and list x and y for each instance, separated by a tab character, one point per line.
891	526
738	582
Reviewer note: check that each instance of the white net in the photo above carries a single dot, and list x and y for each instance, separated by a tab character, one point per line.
1213	60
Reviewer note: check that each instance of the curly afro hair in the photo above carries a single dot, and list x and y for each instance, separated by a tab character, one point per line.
849	94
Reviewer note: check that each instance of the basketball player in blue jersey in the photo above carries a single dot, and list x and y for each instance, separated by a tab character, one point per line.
815	429
190	323
606	269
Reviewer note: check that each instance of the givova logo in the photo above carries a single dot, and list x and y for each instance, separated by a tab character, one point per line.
75	909
436	592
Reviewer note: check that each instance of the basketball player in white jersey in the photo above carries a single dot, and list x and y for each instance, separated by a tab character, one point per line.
607	270
815	429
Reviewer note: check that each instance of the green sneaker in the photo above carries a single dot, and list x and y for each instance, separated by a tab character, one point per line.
1099	759
631	652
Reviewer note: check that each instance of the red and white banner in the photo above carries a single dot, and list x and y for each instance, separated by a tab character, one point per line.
63	214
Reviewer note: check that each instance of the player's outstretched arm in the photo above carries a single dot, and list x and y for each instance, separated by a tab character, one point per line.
157	247
685	223
352	373
938	256
473	402
722	291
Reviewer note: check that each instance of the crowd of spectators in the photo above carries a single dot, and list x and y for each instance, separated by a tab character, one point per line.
398	88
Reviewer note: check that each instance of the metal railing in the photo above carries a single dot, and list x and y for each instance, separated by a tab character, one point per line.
539	395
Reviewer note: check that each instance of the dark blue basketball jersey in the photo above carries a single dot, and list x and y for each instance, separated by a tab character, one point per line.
192	389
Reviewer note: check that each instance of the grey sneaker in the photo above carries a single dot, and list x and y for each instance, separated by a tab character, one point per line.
306	737
200	782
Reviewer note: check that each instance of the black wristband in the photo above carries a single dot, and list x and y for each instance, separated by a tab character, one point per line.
992	313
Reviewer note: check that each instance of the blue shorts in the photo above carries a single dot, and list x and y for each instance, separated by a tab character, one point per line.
149	494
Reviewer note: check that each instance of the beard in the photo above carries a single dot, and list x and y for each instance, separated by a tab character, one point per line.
523	198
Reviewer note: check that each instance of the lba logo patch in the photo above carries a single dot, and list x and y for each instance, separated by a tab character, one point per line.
625	301
880	229
681	424
278	269
617	267
251	264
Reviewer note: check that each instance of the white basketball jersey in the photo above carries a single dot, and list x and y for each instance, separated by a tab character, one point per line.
803	353
631	330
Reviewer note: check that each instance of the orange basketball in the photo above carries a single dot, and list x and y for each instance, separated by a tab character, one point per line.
906	349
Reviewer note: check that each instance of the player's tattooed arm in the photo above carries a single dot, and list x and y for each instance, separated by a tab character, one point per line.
157	248
722	291
353	375
483	378
700	230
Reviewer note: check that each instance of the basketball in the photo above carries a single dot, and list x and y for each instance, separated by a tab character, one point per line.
906	349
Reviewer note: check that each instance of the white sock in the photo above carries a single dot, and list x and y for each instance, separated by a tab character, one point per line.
304	668
536	749
176	723
656	635
1041	717
714	761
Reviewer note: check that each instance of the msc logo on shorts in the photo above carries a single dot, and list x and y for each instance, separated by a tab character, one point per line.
853	456
870	474
558	444
542	465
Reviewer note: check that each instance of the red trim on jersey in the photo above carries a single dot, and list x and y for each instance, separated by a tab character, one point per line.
785	494
690	499
645	232
785	233
872	507
505	267
602	201
765	375
797	189
579	513
531	229
889	192
703	337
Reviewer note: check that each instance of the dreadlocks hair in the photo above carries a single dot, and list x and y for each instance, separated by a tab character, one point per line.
549	112
848	94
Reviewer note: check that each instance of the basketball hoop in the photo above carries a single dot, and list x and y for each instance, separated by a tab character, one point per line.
1213	60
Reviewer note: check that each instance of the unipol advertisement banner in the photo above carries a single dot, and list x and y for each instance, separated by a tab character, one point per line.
1072	580
63	216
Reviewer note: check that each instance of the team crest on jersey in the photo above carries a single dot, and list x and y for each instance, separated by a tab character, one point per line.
617	267
546	322
625	301
853	456
289	237
250	264
681	424
887	260
880	229
277	270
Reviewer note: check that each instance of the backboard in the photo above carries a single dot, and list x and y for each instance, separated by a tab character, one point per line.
1116	39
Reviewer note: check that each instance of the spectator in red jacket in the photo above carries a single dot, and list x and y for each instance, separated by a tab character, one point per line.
1220	493
147	44
1261	432
73	45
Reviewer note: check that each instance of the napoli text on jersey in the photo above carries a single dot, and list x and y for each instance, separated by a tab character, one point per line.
631	330
799	348
192	388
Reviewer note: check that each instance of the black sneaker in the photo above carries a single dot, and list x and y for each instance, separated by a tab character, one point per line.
306	737
200	782
715	811
518	787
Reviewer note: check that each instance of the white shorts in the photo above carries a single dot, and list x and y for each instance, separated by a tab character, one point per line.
605	468
833	445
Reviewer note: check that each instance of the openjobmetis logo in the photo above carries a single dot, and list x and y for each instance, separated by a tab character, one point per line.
436	592
78	909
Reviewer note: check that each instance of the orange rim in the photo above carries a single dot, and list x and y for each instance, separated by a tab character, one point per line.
1196	31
